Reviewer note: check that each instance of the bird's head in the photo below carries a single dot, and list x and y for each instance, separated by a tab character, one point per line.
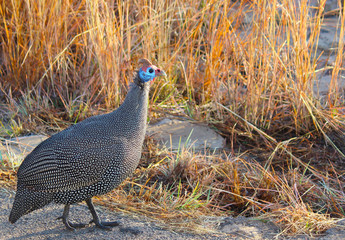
148	72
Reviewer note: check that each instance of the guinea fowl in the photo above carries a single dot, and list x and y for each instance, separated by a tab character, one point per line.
87	159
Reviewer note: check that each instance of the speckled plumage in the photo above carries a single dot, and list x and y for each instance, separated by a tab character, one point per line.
88	159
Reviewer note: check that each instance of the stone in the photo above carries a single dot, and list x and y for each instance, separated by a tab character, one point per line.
174	134
14	150
249	228
322	83
329	35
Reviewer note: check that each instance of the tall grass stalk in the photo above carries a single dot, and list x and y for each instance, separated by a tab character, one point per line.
247	67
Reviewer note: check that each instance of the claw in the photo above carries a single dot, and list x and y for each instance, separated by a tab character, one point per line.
72	226
103	225
69	225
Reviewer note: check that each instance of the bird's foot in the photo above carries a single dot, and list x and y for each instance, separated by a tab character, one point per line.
105	225
96	220
72	226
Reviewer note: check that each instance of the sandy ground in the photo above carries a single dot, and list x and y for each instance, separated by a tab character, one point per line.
43	224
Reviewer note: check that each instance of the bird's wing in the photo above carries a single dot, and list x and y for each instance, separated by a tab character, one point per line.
69	165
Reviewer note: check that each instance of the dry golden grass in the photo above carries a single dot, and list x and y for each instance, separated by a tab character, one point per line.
246	67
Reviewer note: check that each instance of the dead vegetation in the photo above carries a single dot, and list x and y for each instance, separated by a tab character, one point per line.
246	67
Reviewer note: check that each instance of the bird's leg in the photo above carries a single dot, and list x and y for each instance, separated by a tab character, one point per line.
68	224
96	220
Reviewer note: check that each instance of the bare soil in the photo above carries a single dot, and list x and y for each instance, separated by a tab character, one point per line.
43	224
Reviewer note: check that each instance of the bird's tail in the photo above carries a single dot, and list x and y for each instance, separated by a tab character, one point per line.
27	201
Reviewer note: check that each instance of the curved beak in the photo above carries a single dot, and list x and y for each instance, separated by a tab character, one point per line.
160	72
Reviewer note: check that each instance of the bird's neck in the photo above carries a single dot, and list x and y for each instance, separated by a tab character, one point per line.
137	96
133	110
137	81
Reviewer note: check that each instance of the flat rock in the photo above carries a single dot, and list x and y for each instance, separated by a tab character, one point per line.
15	149
329	35
322	83
249	228
174	134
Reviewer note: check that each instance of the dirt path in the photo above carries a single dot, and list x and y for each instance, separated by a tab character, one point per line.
43	224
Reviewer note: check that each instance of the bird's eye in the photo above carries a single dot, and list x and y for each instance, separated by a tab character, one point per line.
150	70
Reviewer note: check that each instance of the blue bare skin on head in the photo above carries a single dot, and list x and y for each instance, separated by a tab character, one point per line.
147	75
149	72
